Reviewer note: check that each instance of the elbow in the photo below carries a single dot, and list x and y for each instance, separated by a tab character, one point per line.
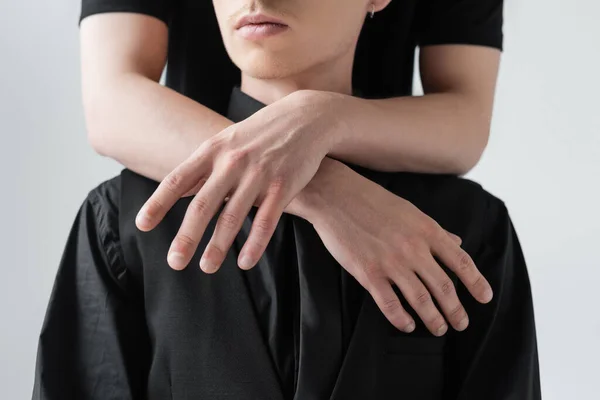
95	114
96	141
476	123
463	167
96	138
467	160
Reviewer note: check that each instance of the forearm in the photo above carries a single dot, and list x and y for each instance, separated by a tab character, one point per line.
435	133
315	199
152	129
147	127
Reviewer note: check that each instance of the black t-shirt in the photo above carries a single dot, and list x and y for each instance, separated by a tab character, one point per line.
122	325
200	68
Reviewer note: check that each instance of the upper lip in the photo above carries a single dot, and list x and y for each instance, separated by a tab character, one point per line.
257	19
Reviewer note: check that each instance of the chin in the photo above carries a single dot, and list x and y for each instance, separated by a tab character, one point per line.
265	65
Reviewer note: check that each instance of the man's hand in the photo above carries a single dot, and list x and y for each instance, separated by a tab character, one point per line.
265	160
380	238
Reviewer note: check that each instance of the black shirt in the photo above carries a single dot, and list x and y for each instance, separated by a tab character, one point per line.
199	67
121	324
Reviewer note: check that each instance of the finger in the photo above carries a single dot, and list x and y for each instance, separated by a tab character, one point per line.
198	214
264	224
194	190
230	222
459	261
454	237
420	300
174	186
389	304
442	288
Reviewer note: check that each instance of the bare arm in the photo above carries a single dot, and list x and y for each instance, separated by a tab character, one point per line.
130	117
133	119
444	131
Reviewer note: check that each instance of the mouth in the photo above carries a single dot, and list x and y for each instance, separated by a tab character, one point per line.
257	20
257	27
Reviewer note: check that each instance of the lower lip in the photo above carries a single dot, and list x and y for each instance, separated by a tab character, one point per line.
259	31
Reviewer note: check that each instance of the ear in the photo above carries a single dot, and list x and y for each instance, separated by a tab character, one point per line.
380	4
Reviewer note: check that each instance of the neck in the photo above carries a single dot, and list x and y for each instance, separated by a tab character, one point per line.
333	76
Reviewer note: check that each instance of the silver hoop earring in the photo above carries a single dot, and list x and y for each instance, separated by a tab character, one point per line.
372	10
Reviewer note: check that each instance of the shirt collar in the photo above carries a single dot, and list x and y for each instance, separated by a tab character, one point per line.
242	105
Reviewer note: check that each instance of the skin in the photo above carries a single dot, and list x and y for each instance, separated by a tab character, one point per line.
255	164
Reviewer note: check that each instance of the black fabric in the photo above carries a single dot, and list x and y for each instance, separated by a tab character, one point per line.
161	9
121	324
94	343
199	67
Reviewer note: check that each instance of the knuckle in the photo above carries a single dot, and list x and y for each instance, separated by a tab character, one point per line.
152	207
392	263
408	246
216	253
184	240
263	225
437	320
212	144
277	185
431	229
390	305
458	312
230	165
423	298
199	205
238	156
258	169
447	287
464	261
228	220
478	282
173	182
371	269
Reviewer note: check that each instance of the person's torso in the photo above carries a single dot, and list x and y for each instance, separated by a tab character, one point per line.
206	336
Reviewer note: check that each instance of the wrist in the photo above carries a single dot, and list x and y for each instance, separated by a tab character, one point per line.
313	201
332	112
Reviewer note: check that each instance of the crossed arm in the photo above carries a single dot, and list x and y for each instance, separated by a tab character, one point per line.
132	119
152	130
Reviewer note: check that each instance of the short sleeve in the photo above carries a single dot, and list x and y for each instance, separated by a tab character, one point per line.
477	22
160	9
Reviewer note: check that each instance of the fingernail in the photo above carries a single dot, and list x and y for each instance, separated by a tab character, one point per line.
142	219
245	262
176	260
462	325
488	295
441	330
207	265
409	328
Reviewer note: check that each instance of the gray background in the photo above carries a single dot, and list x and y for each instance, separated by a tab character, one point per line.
542	159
